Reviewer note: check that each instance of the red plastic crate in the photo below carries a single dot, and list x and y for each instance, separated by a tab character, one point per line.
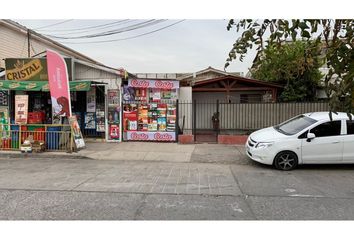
39	134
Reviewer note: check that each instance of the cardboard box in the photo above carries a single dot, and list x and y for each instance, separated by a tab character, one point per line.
38	146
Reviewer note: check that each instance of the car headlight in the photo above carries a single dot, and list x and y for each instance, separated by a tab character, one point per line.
264	144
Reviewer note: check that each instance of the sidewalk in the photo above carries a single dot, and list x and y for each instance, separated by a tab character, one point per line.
147	151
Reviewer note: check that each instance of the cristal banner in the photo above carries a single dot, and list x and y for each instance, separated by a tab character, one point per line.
151	136
161	84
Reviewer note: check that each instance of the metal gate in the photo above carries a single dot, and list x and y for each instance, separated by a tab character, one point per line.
200	119
206	121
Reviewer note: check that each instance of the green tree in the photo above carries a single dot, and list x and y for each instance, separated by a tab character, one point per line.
295	65
337	36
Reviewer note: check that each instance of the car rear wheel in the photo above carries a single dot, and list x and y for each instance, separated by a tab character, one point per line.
286	161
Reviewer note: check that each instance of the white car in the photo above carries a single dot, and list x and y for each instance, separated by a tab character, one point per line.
310	138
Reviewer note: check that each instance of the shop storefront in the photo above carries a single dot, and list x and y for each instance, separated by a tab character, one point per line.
150	110
99	111
29	76
96	103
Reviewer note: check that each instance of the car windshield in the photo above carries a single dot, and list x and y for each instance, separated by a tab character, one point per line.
295	125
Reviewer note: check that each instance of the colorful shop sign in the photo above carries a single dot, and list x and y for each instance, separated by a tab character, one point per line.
113	100
100	121
58	84
130	116
21	109
29	69
151	136
90	120
78	139
113	132
146	83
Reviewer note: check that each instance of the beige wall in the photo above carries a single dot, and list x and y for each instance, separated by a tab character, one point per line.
14	44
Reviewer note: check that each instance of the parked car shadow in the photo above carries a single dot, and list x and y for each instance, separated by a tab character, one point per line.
326	167
322	167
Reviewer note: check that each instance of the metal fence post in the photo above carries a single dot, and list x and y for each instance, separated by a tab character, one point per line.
194	119
218	119
177	120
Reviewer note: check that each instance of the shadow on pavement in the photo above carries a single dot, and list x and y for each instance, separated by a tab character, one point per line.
322	167
326	167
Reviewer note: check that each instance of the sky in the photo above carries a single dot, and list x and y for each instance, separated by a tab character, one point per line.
192	45
188	46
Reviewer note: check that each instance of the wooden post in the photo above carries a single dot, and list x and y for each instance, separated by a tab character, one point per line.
28	43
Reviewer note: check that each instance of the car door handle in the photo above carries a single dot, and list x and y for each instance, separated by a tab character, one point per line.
335	142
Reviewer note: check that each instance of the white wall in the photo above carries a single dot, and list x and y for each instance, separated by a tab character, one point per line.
214	96
110	83
185	94
185	108
83	72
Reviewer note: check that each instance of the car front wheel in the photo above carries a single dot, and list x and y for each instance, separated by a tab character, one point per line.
286	161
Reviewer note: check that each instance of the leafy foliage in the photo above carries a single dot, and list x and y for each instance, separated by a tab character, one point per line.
295	65
337	36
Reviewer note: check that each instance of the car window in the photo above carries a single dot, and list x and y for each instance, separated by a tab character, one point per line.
295	125
350	127
327	129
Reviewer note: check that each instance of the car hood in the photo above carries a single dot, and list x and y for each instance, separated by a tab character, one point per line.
267	135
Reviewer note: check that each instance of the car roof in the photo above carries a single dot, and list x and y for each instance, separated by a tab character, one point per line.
325	115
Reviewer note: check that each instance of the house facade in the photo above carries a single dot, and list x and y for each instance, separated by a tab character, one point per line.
211	84
20	44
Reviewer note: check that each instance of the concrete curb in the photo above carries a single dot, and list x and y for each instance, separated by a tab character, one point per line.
41	155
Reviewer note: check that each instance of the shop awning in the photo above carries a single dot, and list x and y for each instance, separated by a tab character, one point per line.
42	85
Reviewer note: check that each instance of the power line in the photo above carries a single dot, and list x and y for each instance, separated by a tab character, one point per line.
112	32
90	30
101	26
115	31
50	25
122	39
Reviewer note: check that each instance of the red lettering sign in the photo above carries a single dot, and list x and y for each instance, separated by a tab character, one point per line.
162	136
140	83
163	84
139	136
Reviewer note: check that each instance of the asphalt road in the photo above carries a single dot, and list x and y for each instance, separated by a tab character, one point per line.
68	189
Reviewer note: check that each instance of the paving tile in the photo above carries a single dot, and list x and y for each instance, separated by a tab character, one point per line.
194	207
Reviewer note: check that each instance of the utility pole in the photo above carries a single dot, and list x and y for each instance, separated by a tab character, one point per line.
28	44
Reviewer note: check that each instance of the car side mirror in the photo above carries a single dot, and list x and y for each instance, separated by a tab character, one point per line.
310	136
